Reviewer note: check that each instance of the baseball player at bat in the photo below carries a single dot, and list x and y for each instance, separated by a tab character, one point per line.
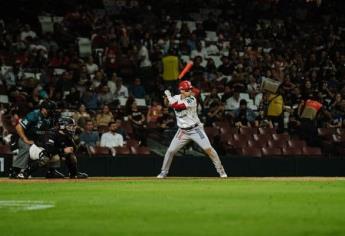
190	128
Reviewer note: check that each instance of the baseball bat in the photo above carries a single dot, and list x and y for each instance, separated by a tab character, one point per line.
185	70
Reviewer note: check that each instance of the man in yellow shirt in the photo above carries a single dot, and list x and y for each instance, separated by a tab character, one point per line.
171	68
275	105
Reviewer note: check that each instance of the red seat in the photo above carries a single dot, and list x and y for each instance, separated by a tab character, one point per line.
262	137
277	143
5	150
257	143
101	151
285	137
211	133
267	151
122	150
251	151
221	124
337	138
238	143
228	130
297	143
269	131
248	130
132	143
245	137
311	151
292	151
326	133
141	150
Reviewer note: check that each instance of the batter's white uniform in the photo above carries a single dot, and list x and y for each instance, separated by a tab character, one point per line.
190	128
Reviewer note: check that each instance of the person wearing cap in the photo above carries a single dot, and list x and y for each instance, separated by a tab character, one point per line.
189	129
31	129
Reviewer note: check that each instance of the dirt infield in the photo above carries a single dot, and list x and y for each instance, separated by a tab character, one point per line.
95	179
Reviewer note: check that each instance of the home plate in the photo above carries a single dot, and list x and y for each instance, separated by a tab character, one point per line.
27	205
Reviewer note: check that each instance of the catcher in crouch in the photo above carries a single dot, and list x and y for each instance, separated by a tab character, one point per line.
190	128
59	145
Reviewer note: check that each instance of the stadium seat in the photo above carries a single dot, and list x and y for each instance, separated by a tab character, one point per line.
277	143
257	143
326	133
251	151
140	150
311	151
122	150
297	143
285	137
132	143
248	130
228	130
262	137
221	124
271	151
269	131
211	133
340	131
101	151
337	138
5	150
292	151
244	137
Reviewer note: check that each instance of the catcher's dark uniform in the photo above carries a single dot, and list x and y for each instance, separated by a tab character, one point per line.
55	144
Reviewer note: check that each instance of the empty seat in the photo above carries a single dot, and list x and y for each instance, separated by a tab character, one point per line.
262	137
271	151
132	143
337	138
297	143
292	151
141	150
257	143
238	143
122	150
285	137
211	133
326	133
251	151
245	137
5	150
249	130
277	143
221	124
101	151
270	131
311	151
229	130
340	131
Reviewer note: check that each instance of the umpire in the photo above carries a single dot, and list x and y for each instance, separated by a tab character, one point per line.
31	129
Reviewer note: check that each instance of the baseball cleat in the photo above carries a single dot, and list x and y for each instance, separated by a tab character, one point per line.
223	175
79	175
54	174
162	175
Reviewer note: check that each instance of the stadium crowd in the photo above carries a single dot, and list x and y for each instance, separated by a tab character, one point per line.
106	64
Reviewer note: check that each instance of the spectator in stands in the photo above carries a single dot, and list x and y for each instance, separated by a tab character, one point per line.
167	120
137	89
210	99
112	139
200	51
90	99
154	112
121	91
81	116
244	116
105	96
215	112
27	32
170	68
275	110
137	118
121	130
104	117
233	102
91	67
89	138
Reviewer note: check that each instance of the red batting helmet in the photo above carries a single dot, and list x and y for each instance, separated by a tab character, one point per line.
185	85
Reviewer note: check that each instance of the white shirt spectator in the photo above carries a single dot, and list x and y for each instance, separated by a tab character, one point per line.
144	57
27	32
232	103
122	92
111	140
91	68
212	50
202	54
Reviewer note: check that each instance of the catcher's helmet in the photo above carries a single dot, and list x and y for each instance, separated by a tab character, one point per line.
185	85
67	125
48	105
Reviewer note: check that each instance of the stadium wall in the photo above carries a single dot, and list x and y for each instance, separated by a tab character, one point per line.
202	166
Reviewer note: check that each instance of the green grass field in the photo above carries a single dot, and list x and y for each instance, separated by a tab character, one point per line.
176	207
